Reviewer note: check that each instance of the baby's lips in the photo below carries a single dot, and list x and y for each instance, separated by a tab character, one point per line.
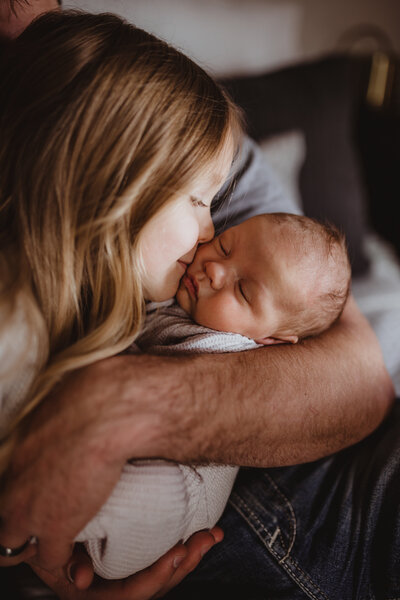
195	285
190	285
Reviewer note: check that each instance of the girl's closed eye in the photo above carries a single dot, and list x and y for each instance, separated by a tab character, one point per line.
197	202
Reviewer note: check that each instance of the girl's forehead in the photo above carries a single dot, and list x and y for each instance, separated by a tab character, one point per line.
212	177
227	152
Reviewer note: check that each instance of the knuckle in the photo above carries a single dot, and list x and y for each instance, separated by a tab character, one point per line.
210	538
191	563
50	564
23	556
205	537
161	576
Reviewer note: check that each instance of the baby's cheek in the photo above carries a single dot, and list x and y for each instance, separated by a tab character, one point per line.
222	314
182	298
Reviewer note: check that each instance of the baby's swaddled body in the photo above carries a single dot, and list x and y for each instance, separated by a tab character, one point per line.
156	503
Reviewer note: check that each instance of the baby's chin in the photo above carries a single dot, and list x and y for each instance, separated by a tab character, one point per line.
183	299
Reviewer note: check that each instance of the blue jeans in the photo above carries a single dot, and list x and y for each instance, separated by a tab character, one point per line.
327	530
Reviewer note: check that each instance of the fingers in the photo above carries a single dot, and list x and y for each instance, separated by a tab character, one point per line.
15	538
58	584
217	534
197	546
27	554
52	556
76	575
65	589
153	582
141	586
79	570
45	552
145	584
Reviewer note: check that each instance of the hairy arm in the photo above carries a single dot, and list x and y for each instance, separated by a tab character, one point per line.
268	407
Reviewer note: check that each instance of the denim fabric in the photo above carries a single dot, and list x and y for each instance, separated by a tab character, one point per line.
327	530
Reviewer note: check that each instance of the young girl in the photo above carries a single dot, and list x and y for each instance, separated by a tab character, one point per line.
109	135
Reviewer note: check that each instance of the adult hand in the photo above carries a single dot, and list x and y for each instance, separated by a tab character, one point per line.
68	460
58	479
153	582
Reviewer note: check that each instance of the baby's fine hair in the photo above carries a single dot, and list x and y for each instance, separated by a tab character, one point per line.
323	259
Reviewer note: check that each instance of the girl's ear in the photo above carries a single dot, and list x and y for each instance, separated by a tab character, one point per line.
284	339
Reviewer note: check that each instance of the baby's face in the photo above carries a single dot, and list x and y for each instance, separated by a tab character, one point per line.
241	282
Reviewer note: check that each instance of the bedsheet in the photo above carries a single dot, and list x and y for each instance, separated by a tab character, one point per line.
378	297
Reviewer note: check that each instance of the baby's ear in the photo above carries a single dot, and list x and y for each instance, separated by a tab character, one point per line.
284	339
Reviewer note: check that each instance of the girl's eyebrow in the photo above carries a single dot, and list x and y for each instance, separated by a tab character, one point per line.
218	180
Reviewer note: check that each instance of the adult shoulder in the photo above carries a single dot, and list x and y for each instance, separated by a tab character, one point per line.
251	189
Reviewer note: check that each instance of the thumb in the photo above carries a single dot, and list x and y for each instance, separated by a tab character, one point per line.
79	569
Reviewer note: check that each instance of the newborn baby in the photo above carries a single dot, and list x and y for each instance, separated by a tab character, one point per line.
275	278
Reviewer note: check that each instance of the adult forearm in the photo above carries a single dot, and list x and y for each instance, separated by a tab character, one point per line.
268	407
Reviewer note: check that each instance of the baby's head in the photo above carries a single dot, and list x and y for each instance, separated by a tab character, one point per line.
274	278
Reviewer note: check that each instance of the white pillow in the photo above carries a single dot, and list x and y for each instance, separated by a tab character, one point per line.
378	297
285	154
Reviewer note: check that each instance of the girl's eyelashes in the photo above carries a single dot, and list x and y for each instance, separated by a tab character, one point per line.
197	202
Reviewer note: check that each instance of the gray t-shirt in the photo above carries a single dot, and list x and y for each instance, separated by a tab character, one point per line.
251	189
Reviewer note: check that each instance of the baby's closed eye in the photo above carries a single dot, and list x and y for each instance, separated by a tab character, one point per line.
222	247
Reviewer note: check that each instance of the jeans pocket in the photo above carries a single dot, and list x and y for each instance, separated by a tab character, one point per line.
270	514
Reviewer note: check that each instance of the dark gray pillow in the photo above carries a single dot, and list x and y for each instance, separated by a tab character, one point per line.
320	99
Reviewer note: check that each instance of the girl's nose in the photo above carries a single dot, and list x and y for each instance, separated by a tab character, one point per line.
206	232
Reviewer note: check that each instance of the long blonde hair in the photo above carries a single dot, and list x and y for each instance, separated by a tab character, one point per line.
101	124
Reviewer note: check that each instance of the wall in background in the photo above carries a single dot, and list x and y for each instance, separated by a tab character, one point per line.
241	36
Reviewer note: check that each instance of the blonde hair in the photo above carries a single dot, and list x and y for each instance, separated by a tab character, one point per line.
101	124
322	256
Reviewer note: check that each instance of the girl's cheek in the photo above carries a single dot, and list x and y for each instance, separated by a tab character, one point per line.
186	237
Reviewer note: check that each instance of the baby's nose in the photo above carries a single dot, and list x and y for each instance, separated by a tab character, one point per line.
217	273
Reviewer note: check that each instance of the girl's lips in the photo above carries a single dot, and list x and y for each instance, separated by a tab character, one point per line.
190	286
182	264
